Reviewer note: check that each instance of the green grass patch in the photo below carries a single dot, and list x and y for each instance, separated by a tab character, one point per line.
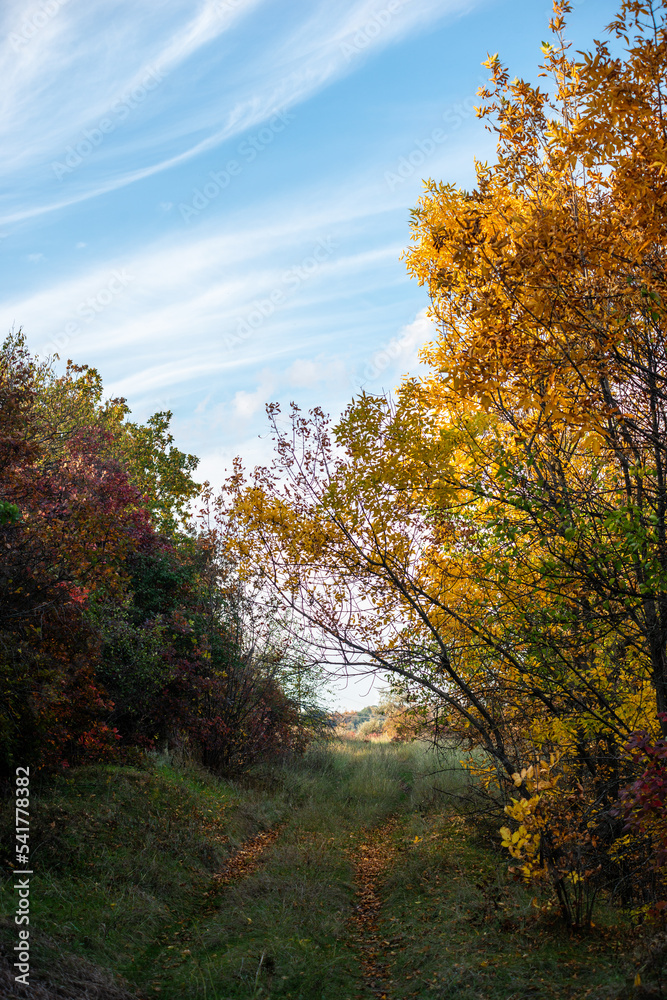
282	931
461	928
120	854
125	858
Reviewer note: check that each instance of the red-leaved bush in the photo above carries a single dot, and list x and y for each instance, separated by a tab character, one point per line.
643	803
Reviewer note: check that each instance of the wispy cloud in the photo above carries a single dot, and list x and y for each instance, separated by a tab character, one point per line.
174	314
152	101
101	54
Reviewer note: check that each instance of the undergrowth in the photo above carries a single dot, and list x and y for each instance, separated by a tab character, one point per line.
125	861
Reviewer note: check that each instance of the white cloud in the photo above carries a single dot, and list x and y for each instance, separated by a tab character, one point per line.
101	53
247	404
304	372
400	355
412	338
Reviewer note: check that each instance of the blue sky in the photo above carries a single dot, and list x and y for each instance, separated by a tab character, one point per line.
207	200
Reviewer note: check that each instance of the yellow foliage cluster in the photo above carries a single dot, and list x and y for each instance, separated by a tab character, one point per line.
495	535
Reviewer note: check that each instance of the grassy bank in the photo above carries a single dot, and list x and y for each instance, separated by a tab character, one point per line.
126	889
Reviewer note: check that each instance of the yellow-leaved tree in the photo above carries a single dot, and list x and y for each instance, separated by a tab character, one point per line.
495	536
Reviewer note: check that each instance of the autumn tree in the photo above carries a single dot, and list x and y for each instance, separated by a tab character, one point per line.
74	401
495	537
122	625
547	283
77	519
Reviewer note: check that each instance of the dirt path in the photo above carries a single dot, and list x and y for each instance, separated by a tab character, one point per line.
371	858
242	863
245	860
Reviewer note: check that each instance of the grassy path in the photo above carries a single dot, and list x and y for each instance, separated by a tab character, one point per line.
245	860
285	928
372	858
341	876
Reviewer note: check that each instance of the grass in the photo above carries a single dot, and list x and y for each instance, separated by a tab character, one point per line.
125	859
461	928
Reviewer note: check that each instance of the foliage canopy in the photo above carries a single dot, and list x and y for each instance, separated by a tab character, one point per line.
495	535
